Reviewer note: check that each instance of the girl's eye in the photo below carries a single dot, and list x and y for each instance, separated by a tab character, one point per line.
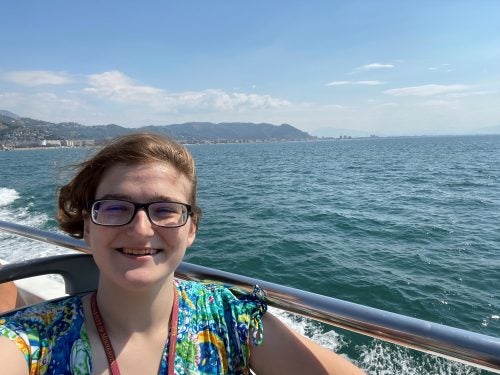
116	208
164	210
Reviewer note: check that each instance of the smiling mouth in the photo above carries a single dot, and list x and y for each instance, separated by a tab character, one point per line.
138	252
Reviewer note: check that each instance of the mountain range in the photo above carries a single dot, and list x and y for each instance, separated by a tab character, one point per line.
25	128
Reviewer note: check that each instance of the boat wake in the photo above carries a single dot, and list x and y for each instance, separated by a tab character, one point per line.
7	196
377	357
14	248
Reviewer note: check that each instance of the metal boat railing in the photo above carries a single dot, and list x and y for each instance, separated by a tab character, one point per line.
452	343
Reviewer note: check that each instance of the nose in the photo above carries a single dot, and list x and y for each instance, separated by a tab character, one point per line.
141	225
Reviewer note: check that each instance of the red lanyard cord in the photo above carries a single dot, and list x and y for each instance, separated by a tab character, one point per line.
108	347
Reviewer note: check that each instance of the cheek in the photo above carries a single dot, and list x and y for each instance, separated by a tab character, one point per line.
86	230
191	234
176	238
173	239
96	236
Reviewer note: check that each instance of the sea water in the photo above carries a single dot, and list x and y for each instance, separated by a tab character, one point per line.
408	225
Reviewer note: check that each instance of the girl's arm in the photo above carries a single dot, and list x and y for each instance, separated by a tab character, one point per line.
284	351
11	358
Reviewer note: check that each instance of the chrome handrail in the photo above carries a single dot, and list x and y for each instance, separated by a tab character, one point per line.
452	343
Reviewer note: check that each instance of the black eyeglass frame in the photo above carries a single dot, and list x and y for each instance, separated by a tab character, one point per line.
137	207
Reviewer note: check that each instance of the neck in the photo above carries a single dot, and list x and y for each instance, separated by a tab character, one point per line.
138	311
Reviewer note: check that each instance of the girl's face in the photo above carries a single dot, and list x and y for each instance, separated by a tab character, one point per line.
140	254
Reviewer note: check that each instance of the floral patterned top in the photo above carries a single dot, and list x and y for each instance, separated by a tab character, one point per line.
214	329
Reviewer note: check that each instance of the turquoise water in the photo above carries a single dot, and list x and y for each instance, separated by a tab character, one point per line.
409	225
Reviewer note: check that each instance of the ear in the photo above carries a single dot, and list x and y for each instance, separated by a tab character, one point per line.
192	233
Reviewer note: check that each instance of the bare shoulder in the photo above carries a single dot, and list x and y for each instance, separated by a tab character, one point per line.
11	358
284	351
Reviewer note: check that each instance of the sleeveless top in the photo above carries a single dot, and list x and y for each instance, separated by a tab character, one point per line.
214	329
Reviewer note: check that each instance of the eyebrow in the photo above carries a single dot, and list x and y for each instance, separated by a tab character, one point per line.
155	198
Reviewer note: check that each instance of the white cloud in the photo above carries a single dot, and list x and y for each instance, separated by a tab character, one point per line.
387	105
367	83
219	100
37	77
427	90
370	83
333	106
443	68
470	93
373	66
338	83
118	87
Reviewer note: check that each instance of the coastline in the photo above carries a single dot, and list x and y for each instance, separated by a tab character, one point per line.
41	148
317	139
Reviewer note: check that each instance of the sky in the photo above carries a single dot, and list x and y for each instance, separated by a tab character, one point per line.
375	67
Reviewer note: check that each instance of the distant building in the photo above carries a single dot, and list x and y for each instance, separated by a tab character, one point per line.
67	143
28	144
83	142
51	143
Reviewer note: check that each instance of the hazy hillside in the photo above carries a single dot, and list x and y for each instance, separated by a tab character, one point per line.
12	125
8	114
192	131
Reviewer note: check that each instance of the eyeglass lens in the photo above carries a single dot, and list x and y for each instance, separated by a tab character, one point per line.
117	212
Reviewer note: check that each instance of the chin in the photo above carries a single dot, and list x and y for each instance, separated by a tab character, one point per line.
140	280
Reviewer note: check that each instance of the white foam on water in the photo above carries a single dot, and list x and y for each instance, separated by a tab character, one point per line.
379	358
308	327
14	248
486	321
7	196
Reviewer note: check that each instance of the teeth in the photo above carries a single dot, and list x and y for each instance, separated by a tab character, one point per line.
131	251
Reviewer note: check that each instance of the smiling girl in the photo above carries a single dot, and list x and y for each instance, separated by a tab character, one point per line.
134	203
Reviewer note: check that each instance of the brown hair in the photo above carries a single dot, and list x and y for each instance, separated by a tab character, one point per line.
74	197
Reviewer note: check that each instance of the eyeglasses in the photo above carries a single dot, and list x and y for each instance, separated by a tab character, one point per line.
117	212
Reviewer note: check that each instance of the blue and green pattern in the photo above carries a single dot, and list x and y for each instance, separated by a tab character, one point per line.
214	333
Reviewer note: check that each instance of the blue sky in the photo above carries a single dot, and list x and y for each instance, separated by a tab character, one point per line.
381	67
